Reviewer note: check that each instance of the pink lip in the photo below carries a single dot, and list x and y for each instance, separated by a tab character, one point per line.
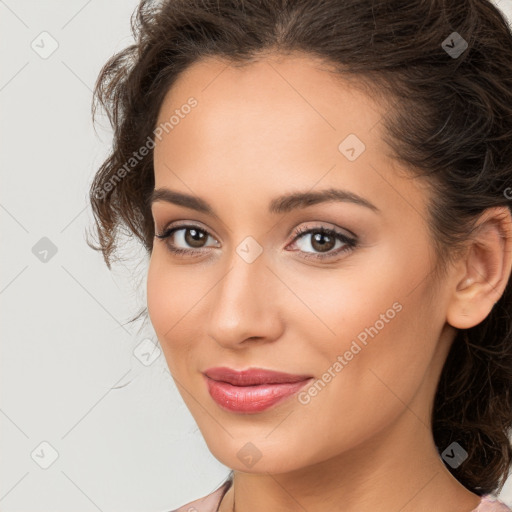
252	390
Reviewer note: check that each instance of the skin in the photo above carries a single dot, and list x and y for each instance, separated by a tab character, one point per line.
364	442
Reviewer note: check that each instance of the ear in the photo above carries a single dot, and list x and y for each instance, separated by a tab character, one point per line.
484	270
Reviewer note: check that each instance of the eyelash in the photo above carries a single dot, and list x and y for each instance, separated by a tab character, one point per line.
350	243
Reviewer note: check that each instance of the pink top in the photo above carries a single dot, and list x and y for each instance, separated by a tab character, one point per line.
211	502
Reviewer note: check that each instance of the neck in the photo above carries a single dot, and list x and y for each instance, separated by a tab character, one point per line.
399	469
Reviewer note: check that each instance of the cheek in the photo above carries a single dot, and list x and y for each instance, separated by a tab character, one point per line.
381	322
169	299
381	350
157	298
361	300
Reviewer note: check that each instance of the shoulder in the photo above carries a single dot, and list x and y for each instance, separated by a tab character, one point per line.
490	504
208	503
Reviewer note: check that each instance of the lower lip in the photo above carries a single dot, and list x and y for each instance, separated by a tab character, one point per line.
251	399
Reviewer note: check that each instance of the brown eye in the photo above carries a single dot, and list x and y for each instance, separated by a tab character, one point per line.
195	237
323	240
190	240
185	239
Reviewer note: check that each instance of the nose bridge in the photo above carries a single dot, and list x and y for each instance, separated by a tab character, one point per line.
244	304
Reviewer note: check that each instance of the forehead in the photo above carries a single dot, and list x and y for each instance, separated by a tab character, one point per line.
275	100
289	85
272	123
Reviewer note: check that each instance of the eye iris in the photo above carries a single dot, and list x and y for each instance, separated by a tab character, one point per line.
322	245
196	237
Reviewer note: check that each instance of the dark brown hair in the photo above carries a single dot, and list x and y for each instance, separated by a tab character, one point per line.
450	121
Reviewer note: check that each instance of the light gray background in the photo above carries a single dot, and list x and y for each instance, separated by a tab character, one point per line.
121	435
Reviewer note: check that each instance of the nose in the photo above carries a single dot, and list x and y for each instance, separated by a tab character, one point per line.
245	305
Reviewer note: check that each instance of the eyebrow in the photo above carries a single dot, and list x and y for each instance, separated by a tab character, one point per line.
281	204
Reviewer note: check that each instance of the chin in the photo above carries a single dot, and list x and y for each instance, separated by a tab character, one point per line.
255	457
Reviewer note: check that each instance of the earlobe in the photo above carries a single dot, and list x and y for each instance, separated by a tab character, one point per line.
486	270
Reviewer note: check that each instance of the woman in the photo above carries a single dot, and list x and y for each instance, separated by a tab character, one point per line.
324	192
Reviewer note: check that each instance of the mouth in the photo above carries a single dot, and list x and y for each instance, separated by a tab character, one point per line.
253	390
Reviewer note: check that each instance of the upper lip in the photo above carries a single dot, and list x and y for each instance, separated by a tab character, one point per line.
252	376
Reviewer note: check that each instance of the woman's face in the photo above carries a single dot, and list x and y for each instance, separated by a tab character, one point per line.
358	311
